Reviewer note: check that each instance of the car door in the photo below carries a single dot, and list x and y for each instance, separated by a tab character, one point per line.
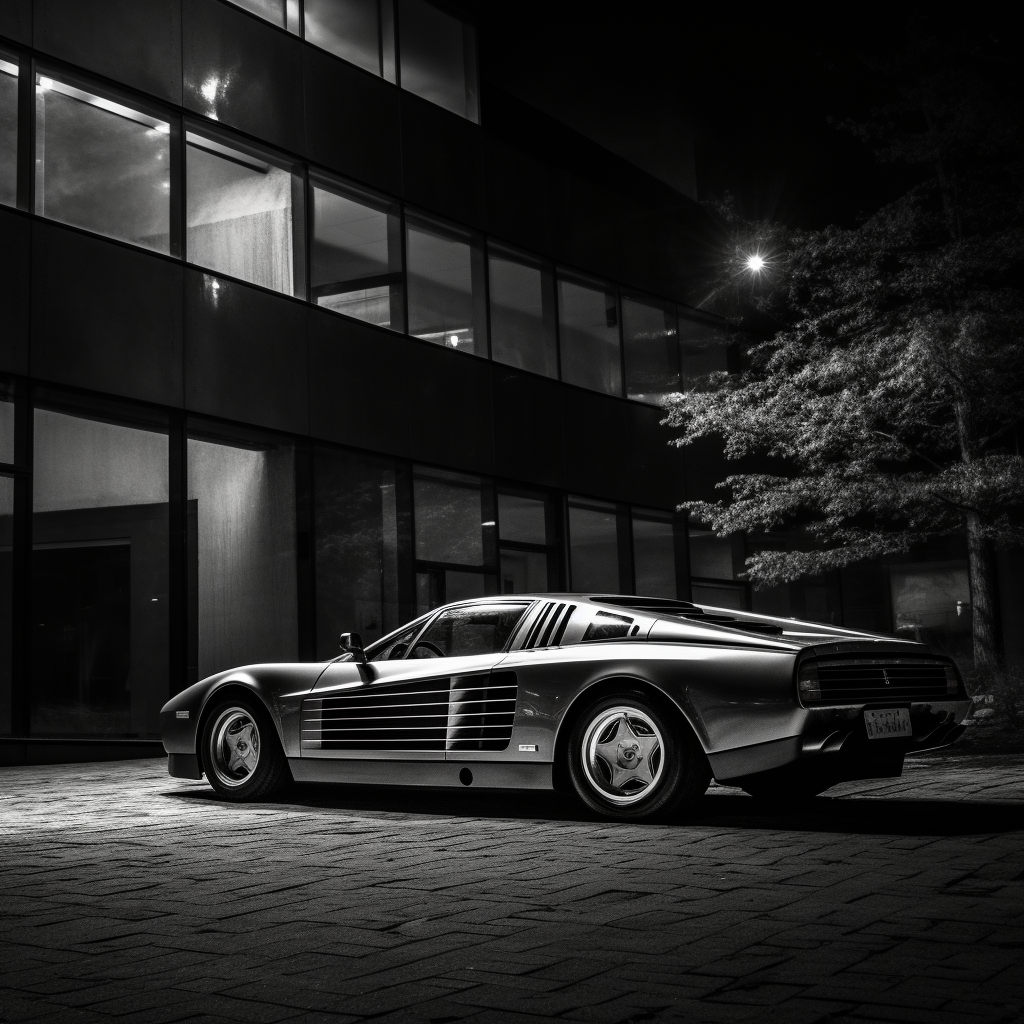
442	695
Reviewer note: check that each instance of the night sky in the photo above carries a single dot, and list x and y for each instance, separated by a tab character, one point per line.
754	87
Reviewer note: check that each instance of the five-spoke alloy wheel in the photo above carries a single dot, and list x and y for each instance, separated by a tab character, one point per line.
630	760
240	752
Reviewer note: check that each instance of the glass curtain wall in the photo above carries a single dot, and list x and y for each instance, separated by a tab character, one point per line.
356	255
714	564
594	547
350	29
99	599
437	54
589	334
8	129
244	213
654	553
527	555
6	599
454	537
282	13
703	349
650	343
357	517
100	164
522	297
445	267
241	550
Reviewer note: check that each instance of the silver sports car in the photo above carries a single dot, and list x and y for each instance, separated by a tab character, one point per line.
634	703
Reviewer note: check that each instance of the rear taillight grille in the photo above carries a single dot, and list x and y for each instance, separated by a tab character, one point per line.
859	681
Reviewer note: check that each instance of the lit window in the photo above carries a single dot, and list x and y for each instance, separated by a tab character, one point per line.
438	57
243	213
8	131
102	165
651	348
522	294
356	262
589	334
446	294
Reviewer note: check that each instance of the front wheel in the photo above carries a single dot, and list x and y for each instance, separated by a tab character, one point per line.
629	761
240	753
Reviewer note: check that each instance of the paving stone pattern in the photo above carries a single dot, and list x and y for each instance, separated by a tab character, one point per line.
127	895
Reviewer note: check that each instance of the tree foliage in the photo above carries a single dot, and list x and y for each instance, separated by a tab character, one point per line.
892	390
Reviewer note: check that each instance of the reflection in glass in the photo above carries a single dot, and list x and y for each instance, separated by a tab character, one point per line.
524	572
356	255
711	556
8	131
589	335
654	553
101	165
243	215
465	632
356	530
349	29
651	348
241	526
931	603
522	295
6	600
448	514
445	269
593	547
719	595
99	577
283	13
521	519
442	586
703	349
438	57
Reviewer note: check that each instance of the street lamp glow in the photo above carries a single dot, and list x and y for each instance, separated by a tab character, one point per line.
755	263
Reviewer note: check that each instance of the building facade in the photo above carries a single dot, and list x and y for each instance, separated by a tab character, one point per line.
307	330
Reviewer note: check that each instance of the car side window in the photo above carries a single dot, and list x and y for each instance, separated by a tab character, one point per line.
397	647
473	629
606	626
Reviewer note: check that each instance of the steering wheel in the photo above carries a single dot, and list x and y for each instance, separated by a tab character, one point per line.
429	650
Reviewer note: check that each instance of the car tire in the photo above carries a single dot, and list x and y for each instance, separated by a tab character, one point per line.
629	760
240	752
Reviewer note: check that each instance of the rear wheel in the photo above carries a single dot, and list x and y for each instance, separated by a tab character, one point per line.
240	752
630	761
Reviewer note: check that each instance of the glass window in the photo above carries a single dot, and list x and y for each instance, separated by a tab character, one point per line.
438	57
357	255
522	519
349	29
931	603
589	335
525	553
448	510
283	13
8	130
356	530
522	293
442	586
6	422
606	626
244	214
445	266
720	595
6	600
593	547
651	349
654	553
395	648
712	556
101	165
524	572
703	348
242	552
99	596
463	632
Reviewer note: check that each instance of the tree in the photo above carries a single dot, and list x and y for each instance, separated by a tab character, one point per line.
892	386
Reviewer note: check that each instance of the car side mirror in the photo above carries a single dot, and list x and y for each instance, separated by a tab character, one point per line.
352	643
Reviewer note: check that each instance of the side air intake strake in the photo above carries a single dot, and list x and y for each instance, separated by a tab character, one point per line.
449	713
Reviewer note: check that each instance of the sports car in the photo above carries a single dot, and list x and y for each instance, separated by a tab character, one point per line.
633	703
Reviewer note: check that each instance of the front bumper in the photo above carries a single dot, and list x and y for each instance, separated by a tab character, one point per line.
833	742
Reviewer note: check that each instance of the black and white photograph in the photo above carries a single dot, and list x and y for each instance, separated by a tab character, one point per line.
511	512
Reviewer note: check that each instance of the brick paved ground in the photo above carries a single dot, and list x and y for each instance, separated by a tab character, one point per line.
128	895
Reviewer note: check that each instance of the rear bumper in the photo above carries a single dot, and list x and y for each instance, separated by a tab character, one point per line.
834	743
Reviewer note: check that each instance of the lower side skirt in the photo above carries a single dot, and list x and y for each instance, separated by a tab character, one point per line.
459	775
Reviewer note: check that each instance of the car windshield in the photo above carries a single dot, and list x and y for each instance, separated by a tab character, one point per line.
469	630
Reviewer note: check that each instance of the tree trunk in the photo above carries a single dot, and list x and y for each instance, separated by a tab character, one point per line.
983	596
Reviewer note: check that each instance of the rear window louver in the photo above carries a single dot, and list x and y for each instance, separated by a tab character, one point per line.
549	626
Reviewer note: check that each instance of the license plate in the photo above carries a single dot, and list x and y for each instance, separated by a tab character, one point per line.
887	723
